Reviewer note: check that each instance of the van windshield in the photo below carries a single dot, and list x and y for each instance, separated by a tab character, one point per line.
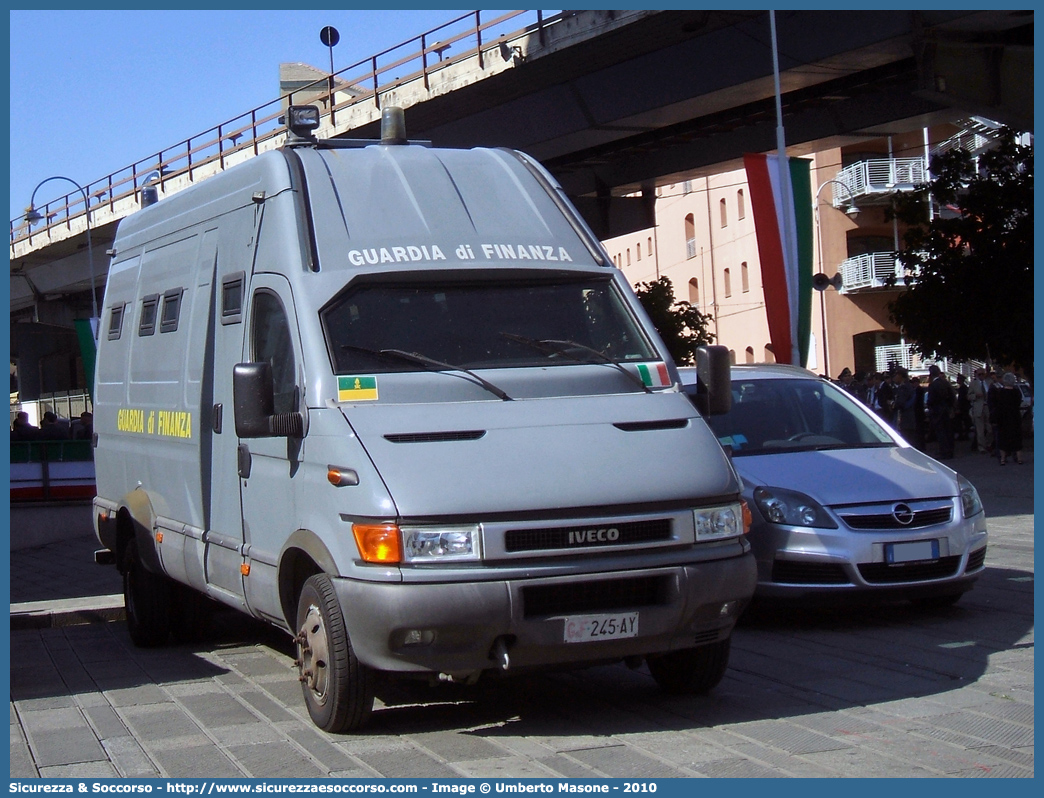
784	415
489	324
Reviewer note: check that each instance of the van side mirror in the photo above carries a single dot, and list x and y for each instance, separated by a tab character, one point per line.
713	380
253	397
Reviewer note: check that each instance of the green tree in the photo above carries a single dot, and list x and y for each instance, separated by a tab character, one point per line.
680	324
969	287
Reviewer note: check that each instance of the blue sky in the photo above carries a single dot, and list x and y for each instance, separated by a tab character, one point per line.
94	91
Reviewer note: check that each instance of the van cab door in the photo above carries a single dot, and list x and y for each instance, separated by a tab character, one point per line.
268	466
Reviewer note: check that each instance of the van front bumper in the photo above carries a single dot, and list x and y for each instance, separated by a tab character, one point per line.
462	628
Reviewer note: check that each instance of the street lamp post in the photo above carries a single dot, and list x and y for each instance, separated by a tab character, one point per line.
851	210
32	216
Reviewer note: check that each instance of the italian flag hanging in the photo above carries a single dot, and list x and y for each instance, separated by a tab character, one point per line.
786	271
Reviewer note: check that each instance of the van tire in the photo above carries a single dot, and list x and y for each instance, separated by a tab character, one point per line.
691	671
146	601
338	689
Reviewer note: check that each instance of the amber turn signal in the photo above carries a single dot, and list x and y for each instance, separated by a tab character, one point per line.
378	543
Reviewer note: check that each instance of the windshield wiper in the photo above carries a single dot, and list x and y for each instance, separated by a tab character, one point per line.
556	347
431	364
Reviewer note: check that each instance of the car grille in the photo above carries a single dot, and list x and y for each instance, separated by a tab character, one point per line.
976	560
808	573
544	539
921	518
880	573
603	595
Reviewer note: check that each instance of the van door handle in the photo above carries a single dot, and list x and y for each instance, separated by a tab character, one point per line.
244	461
217	418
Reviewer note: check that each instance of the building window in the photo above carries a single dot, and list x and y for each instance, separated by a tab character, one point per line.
648	247
744	278
750	354
690	236
732	357
770	356
628	256
728	282
741	208
724	213
638	251
694	293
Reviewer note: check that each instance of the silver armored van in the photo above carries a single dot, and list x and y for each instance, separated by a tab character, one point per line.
396	401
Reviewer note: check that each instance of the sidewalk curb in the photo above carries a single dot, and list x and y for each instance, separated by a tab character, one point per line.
67	612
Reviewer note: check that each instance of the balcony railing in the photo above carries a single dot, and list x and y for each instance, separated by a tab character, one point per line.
888	357
877	178
872	270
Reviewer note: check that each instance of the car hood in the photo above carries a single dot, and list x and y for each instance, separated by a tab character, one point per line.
466	458
851	476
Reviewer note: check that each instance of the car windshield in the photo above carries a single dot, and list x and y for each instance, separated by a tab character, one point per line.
490	324
784	415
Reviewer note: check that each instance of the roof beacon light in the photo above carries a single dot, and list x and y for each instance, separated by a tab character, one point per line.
393	125
302	120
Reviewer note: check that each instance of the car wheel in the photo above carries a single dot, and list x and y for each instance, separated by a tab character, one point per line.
691	670
338	689
146	601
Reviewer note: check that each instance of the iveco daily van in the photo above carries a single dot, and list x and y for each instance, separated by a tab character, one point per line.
397	401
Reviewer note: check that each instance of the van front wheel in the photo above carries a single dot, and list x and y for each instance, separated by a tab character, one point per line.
338	689
146	601
692	671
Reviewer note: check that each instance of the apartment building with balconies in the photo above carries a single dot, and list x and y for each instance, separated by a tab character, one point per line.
705	242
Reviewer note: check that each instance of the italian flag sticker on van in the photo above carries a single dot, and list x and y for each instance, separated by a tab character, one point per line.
654	375
356	389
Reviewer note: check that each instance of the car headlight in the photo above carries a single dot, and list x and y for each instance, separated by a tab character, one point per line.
780	506
429	544
720	523
970	501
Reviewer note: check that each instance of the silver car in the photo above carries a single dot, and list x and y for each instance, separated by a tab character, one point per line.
841	504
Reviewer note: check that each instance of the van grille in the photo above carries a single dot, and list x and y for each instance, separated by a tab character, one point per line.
884	573
603	595
546	538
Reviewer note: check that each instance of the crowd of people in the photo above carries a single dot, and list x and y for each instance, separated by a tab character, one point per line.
986	410
52	427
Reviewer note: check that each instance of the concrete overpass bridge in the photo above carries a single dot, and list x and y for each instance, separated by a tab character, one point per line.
614	103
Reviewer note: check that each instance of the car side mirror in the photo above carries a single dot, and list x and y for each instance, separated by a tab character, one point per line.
253	397
713	381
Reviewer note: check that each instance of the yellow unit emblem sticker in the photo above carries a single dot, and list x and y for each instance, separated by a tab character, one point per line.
356	389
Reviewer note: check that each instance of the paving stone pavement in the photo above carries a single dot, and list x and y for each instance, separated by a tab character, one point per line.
894	691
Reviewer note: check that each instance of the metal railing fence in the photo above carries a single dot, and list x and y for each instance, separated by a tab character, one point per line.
250	132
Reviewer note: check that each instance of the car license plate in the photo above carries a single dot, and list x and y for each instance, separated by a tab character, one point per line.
911	552
588	628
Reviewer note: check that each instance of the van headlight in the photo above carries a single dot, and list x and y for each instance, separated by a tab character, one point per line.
790	508
970	501
428	544
719	523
